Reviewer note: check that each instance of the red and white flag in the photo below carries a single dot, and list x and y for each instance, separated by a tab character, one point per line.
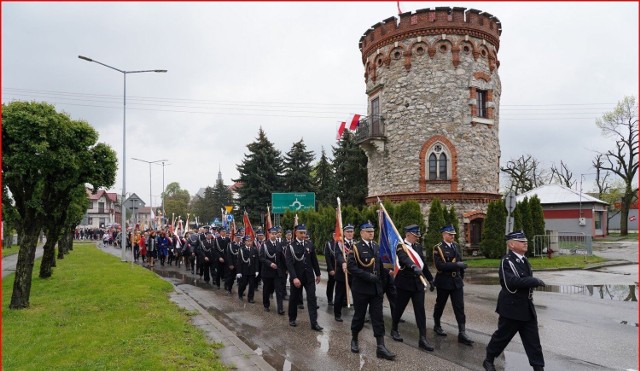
355	121
248	229
343	124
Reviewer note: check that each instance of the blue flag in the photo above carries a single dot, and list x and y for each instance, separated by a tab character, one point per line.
389	241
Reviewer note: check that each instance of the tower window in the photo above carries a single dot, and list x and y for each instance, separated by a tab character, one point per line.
481	103
438	163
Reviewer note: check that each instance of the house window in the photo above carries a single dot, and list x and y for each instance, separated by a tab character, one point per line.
438	163
481	103
90	221
597	216
101	207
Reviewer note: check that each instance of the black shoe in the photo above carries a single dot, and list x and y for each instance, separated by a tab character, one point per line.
316	327
339	319
438	330
251	301
488	365
266	309
317	306
330	303
383	352
300	306
281	312
464	339
402	321
293	323
395	335
354	346
423	343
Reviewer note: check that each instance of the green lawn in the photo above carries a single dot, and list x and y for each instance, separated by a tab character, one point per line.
564	261
10	250
97	313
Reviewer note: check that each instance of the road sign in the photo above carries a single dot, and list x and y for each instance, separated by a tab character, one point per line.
282	202
228	208
510	202
508	228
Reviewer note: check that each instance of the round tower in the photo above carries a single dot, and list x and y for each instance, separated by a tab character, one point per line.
431	129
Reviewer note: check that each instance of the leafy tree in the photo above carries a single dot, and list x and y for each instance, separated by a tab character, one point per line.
297	168
45	153
493	245
622	125
221	197
76	211
436	222
323	181
350	168
176	201
525	173
260	175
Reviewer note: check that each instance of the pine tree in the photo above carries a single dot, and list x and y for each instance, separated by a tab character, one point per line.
297	168
493	245
452	218
436	222
350	165
537	221
323	181
260	175
527	220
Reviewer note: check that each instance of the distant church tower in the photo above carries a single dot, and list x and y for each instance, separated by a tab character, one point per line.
432	124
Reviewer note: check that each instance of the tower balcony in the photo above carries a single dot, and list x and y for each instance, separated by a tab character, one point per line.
370	132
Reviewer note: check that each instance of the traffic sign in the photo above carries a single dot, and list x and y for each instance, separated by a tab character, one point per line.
510	202
282	202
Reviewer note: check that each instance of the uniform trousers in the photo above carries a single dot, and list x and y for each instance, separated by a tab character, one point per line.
417	299
331	283
296	297
242	285
457	302
360	304
231	276
208	270
219	274
392	296
341	297
271	285
507	328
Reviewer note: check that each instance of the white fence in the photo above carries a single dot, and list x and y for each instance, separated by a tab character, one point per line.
563	243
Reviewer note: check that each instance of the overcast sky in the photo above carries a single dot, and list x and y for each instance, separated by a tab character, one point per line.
295	70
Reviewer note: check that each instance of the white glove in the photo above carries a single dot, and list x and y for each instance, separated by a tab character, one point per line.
257	274
239	275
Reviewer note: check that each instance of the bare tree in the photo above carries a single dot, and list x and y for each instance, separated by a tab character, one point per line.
622	125
525	173
562	175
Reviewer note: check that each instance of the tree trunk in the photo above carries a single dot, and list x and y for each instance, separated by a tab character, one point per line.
27	240
69	243
49	256
62	245
627	198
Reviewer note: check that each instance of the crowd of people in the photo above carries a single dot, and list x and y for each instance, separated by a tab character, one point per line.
355	266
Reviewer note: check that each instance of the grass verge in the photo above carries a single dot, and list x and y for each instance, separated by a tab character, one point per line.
97	313
10	250
564	261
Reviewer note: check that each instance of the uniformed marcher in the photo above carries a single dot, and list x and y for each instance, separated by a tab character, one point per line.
340	265
193	243
304	272
273	264
409	286
259	241
448	282
206	254
222	242
515	305
329	258
231	258
247	261
365	265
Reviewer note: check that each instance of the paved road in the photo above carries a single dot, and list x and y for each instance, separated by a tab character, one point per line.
585	324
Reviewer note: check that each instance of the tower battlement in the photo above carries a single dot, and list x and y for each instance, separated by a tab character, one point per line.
425	22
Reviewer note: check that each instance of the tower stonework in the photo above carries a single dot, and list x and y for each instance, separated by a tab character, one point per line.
431	129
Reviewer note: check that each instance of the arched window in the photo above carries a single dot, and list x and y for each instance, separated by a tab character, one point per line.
438	165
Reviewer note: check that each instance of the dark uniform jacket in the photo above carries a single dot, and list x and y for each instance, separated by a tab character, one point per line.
406	279
302	261
269	254
247	261
338	259
221	247
366	279
207	249
515	300
449	276
232	254
329	255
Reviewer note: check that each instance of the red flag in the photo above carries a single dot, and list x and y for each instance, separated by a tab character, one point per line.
355	121
268	224
233	229
341	130
248	229
338	229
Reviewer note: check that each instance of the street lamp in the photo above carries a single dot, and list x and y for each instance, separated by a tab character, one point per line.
149	162
124	142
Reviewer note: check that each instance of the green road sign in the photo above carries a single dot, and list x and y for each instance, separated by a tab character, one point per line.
282	202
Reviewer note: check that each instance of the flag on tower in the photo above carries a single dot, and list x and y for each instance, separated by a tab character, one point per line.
355	121
341	130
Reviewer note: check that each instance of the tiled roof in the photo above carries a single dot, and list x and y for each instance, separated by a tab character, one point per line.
558	194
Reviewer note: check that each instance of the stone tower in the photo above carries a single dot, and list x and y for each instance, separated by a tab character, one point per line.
432	123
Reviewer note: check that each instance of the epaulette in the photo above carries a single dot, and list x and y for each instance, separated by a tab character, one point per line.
437	245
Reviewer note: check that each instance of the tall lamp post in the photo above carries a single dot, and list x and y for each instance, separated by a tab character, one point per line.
149	162
124	143
164	215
